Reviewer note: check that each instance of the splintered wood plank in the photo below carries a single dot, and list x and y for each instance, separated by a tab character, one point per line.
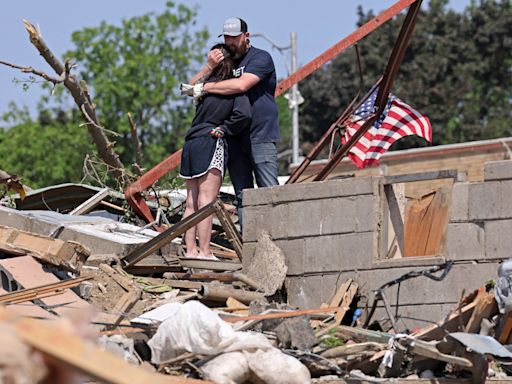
345	303
29	309
486	307
340	293
426	221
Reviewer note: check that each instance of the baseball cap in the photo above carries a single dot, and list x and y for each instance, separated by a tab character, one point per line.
234	26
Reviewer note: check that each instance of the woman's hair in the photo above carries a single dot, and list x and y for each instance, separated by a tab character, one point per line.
224	70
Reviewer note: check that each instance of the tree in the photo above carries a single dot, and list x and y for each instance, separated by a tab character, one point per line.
137	68
48	151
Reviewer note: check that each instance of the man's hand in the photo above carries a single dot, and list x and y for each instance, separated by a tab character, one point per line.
215	57
196	91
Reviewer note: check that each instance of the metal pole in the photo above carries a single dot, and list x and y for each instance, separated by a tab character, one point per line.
295	102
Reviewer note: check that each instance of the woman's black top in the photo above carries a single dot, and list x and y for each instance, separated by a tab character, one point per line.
231	113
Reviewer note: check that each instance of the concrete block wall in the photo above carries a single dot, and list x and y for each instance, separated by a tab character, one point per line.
480	225
329	232
323	228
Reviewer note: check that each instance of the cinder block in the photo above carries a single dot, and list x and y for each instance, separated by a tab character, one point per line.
340	252
259	196
310	191
294	253
273	219
416	316
465	241
325	189
348	214
305	218
498	170
304	292
505	202
459	211
498	239
332	281
255	219
311	291
484	200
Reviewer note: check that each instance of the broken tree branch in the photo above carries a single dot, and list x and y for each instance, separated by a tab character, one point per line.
137	146
83	101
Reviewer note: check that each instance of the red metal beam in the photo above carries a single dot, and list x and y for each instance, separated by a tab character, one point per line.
342	45
133	193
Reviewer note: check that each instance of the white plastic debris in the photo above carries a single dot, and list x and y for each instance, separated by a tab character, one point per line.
197	329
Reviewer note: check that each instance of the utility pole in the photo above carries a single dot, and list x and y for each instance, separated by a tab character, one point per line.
294	102
294	97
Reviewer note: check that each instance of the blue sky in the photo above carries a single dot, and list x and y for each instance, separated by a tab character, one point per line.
318	25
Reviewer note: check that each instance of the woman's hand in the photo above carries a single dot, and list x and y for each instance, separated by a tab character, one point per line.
215	56
217	132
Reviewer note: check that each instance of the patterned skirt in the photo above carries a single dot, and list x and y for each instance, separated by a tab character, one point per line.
202	154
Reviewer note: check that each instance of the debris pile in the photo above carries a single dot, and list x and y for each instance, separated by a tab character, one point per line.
73	304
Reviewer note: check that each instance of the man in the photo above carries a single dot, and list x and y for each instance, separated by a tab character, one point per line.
253	151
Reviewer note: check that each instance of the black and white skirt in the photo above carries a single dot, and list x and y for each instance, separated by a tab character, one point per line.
202	154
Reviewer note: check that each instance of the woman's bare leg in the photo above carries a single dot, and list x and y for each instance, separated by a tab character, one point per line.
209	186
190	207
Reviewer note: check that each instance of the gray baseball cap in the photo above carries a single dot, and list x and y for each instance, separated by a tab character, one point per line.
234	26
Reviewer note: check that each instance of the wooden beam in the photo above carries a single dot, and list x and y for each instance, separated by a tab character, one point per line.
167	236
231	232
281	315
89	204
29	294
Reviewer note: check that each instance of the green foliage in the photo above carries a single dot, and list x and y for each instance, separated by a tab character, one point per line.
457	70
285	129
137	67
48	151
331	340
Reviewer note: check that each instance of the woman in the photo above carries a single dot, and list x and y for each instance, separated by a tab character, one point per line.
204	154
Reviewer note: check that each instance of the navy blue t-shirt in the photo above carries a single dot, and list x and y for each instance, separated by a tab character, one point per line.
264	125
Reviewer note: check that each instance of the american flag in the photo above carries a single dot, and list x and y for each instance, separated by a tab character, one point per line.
397	120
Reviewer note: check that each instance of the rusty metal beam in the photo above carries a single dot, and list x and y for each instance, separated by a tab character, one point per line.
134	191
341	46
392	67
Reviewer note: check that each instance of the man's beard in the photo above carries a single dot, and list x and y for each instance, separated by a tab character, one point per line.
238	51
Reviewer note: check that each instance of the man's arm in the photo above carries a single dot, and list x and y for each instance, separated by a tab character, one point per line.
233	86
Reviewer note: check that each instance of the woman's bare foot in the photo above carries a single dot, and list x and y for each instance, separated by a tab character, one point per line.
192	254
206	256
